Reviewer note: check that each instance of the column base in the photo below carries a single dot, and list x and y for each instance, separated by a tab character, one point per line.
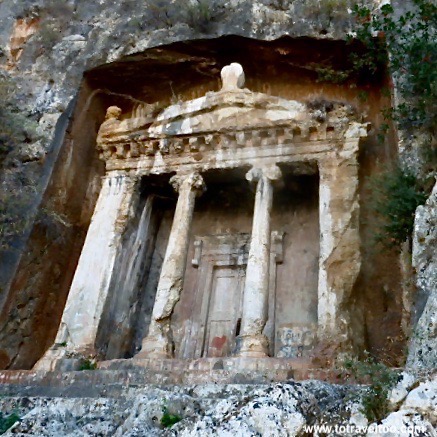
155	347
50	360
61	358
255	346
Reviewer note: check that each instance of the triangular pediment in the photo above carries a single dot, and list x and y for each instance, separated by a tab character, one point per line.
232	116
227	111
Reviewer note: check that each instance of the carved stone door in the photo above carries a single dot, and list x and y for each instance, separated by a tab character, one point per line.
224	312
221	263
216	317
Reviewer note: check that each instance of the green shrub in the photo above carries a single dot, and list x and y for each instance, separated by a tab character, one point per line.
411	41
88	365
396	194
7	421
168	419
380	380
410	38
329	74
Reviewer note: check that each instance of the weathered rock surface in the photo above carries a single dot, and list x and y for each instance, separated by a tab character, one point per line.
423	348
278	410
117	51
285	409
45	47
419	410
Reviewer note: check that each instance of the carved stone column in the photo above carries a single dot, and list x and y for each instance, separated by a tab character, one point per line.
252	342
158	342
90	288
340	258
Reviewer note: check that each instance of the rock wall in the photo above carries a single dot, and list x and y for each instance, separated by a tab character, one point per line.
423	347
52	49
48	47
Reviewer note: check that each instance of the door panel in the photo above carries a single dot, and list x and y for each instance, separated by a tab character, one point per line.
224	311
221	262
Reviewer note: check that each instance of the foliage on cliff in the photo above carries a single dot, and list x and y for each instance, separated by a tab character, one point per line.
379	378
406	43
412	57
6	421
396	195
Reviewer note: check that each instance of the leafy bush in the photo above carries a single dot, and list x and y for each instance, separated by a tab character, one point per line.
168	419
7	421
395	196
411	41
380	380
88	365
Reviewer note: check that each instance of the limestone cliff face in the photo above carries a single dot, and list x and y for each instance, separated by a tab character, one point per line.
423	348
46	47
57	56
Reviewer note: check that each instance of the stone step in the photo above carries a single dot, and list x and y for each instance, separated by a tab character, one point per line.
113	377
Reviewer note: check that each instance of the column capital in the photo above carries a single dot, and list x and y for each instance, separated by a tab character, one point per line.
192	181
271	172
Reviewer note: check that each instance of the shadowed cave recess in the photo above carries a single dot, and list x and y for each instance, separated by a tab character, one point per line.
164	76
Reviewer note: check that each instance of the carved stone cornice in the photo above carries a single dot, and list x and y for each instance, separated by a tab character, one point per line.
230	119
138	145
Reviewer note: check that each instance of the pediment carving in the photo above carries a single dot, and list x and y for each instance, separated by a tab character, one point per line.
233	117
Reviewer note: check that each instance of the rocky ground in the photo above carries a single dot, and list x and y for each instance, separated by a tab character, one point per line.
283	409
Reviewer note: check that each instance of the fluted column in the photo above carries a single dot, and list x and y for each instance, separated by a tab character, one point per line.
90	289
158	342
252	342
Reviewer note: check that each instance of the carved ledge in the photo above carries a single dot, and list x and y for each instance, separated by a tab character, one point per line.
232	118
137	147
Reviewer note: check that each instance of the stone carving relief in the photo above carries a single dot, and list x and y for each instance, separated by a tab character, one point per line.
233	129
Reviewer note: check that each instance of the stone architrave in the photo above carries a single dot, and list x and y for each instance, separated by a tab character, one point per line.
340	258
252	342
89	290
158	342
